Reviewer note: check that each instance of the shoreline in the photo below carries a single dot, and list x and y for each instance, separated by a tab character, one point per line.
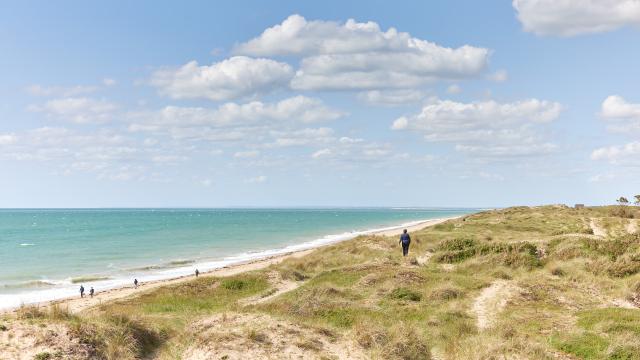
76	304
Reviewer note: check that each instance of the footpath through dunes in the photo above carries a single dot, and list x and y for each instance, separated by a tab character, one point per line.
488	305
524	283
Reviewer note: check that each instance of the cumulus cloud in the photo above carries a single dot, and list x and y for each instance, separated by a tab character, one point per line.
575	17
356	55
628	154
623	116
486	128
302	137
322	153
499	76
232	121
246	154
78	110
392	97
8	139
256	180
236	77
454	89
62	91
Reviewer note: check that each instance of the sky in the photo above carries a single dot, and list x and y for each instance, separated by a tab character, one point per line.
298	103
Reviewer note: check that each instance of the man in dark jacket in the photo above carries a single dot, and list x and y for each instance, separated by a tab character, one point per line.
405	240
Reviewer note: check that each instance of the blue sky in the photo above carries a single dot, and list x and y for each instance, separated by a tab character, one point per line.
289	103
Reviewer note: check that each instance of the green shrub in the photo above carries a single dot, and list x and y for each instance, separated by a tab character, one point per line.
446	293
234	284
405	294
43	356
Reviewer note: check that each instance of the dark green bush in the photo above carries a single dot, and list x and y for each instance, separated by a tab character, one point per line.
405	294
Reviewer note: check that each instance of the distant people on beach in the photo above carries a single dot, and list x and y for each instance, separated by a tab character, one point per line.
405	240
135	283
197	272
81	291
91	292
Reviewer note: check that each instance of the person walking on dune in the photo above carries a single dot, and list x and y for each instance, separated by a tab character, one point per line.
81	291
91	292
197	272
405	240
135	283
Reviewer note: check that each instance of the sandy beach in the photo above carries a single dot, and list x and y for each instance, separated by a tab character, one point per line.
77	304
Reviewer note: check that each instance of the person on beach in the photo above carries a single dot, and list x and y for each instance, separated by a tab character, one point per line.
91	292
135	283
405	240
81	291
197	272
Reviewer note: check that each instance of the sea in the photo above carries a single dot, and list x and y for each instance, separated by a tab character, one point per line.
47	254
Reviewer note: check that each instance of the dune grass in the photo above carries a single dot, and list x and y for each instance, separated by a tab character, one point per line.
569	286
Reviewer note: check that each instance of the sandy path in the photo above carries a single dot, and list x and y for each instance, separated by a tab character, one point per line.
492	301
280	286
597	229
77	304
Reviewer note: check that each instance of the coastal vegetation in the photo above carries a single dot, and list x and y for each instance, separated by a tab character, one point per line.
549	282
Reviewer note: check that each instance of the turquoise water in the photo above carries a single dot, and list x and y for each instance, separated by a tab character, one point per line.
47	254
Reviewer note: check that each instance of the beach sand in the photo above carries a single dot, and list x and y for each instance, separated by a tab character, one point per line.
78	304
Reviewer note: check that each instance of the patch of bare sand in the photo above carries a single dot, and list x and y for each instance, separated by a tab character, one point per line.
597	229
424	258
492	301
254	336
279	287
22	340
632	226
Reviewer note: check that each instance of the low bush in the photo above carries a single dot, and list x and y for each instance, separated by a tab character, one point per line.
405	294
26	312
446	293
234	284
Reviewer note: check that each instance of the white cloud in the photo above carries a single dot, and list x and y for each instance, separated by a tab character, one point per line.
623	115
391	97
628	154
169	159
602	177
303	137
257	179
349	140
454	89
8	139
575	17
236	77
322	153
485	128
109	82
361	56
78	110
233	122
499	76
246	154
61	91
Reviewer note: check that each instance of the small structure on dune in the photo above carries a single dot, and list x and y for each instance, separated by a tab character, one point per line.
579	206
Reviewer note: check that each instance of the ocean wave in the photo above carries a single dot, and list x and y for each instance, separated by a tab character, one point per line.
85	279
29	284
27	244
163	266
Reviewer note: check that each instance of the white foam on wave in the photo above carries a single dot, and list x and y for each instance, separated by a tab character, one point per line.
27	244
66	289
